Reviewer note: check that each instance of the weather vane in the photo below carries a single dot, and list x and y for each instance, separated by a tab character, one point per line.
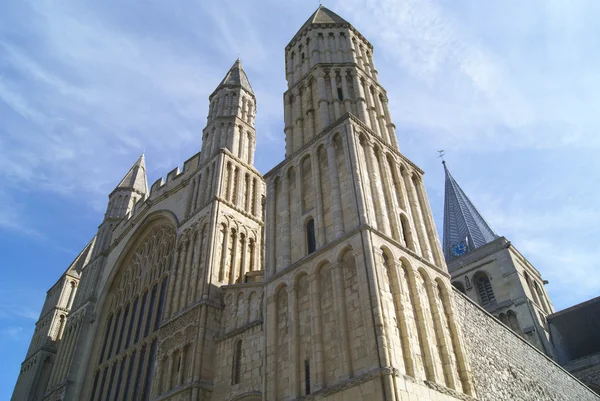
441	154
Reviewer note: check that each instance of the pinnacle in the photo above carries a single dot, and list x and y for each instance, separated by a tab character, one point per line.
235	77
136	177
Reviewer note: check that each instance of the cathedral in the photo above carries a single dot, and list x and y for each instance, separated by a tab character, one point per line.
323	279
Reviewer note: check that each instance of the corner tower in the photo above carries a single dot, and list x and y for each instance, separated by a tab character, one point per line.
355	277
492	272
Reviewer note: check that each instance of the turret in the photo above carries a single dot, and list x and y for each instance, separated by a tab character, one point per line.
231	115
133	187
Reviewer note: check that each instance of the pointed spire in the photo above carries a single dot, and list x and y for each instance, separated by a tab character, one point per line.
235	77
323	15
136	177
462	222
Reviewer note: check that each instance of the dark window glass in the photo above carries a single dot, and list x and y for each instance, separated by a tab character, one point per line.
150	310
138	376
113	336
120	379
310	236
306	377
129	374
111	381
131	322
141	318
94	386
103	380
340	94
148	379
122	332
161	302
108	326
237	362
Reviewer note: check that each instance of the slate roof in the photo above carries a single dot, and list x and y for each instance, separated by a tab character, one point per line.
323	15
235	77
462	220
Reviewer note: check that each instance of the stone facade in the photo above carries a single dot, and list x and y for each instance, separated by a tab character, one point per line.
506	367
501	280
322	280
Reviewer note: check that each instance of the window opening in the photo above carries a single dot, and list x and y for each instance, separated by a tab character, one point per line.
237	362
486	294
310	236
306	377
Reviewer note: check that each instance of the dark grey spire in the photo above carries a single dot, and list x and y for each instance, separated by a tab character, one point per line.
464	227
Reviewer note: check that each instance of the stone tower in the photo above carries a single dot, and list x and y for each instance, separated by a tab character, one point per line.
491	271
356	286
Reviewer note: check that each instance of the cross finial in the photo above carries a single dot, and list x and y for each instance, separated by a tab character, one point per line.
441	155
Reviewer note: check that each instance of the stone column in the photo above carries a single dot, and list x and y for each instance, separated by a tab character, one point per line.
390	125
187	271
297	119
336	201
251	150
271	347
316	324
409	211
180	273
388	187
316	179
271	227
240	188
381	119
285	221
289	127
224	254
334	94
234	250
372	112
338	47
356	172
323	106
371	165
310	113
248	193
408	350
448	375
314	49
230	196
293	357
359	92
418	218
430	224
339	300
345	92
241	279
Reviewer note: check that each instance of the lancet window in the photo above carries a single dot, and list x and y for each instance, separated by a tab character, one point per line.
484	289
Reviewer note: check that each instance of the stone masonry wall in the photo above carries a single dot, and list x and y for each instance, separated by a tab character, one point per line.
506	367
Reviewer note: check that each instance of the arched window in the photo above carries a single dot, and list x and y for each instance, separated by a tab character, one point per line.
484	289
136	295
459	286
406	233
311	242
513	322
237	362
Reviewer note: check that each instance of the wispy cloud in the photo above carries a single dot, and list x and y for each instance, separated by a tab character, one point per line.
12	332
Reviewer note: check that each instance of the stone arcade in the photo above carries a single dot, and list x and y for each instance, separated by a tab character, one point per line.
324	279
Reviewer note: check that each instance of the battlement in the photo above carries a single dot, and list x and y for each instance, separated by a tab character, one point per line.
162	185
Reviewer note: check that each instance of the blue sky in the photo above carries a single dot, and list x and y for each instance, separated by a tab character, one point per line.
509	89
